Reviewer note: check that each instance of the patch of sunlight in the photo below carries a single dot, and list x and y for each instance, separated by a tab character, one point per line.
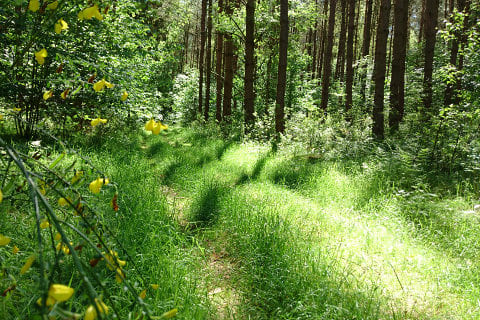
416	280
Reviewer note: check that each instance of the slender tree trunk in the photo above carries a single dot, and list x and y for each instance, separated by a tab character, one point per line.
282	69
349	82
314	53
219	69
355	43
390	45
380	67
366	45
323	40
209	62
249	94
431	17
228	84
422	23
397	83
203	36
340	66
327	67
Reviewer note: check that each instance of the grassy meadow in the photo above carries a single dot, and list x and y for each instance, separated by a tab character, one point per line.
233	230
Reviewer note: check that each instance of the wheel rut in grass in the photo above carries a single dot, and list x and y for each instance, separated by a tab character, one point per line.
218	268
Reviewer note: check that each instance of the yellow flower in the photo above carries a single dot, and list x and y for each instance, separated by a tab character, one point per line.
4	240
53	5
60	25
97	184
15	250
47	95
150	125
113	260
97	121
17	109
77	176
1	193
119	275
63	247
50	301
89	13
60	292
99	85
124	96
34	5
91	312
109	85
62	202
27	264
143	294
158	127
41	55
154	286
45	224
58	236
169	314
64	94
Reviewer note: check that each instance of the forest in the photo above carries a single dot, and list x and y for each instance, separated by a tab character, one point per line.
239	159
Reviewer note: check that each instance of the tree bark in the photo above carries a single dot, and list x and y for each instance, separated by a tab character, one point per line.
397	83
209	62
219	69
249	94
203	36
323	40
430	25
327	67
340	66
282	69
228	84
366	46
379	68
349	82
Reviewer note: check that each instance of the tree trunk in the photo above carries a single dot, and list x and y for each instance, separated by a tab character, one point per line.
209	62
219	69
397	83
422	23
327	61
314	52
282	69
430	25
349	82
323	40
228	85
203	36
340	66
249	94
379	68
366	45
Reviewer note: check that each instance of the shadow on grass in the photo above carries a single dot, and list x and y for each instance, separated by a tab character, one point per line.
257	169
291	173
157	148
206	208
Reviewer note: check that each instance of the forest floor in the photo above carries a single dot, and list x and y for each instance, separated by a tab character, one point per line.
276	236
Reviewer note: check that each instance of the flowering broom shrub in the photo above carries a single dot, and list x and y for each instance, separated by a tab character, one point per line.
58	258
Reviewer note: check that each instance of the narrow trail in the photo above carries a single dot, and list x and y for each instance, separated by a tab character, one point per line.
369	253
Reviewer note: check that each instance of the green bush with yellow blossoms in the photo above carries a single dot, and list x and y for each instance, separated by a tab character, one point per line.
55	79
